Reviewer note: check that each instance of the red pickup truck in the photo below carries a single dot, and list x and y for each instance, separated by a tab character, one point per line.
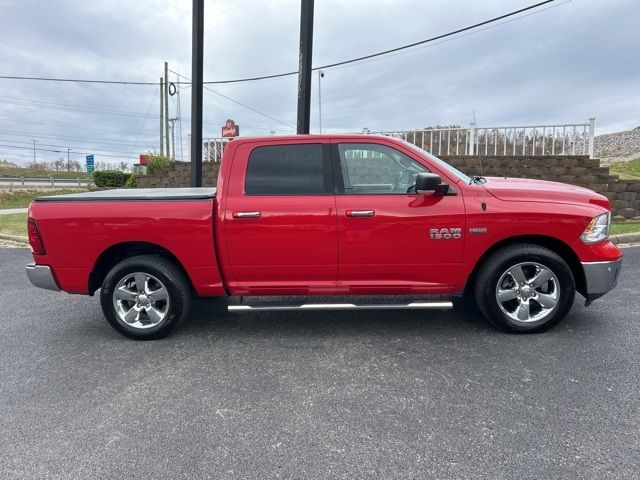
365	221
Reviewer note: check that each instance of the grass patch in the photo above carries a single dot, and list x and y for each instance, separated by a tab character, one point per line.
23	199
15	224
6	171
626	170
629	227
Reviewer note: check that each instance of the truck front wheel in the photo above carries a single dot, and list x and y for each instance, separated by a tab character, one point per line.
525	288
145	297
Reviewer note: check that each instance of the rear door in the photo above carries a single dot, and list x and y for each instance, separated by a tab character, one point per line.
386	239
280	219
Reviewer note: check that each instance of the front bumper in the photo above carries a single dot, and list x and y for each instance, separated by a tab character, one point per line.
600	277
41	276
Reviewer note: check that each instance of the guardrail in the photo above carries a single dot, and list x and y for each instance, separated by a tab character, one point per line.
562	139
51	181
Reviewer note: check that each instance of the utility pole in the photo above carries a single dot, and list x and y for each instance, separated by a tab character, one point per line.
34	151
161	116
320	77
172	127
197	47
179	118
304	66
166	107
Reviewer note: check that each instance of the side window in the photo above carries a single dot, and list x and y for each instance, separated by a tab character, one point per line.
289	170
371	168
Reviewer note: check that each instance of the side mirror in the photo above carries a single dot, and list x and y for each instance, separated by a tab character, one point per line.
430	182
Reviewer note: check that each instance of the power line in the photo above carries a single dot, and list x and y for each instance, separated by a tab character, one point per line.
64	138
98	110
249	108
77	147
460	36
391	50
76	80
286	74
66	106
239	103
144	122
17	147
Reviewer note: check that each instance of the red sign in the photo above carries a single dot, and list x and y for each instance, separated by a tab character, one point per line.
143	159
230	129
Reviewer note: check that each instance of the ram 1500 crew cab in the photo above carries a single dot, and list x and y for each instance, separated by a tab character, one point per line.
340	216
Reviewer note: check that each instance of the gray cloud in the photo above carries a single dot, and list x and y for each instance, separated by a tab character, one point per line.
564	64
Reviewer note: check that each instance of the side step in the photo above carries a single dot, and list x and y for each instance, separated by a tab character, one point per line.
340	306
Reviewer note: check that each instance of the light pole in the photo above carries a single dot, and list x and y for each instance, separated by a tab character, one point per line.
320	76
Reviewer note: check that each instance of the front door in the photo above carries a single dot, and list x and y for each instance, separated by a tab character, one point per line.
386	236
280	220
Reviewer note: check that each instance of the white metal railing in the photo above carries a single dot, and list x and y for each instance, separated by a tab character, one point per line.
534	140
212	148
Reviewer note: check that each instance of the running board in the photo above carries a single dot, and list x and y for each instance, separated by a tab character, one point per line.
340	306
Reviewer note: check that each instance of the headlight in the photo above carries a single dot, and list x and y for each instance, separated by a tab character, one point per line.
598	229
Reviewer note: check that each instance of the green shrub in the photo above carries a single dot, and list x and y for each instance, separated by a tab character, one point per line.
158	164
110	178
131	181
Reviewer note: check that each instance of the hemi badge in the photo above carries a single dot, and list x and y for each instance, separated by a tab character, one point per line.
478	230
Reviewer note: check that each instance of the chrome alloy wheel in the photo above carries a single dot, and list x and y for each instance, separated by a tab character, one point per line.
528	292
140	300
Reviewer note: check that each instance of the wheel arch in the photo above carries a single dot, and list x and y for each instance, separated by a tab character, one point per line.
557	246
114	254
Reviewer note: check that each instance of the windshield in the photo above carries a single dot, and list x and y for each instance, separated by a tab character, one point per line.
438	161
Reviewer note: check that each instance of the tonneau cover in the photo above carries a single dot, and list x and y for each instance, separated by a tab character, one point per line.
135	194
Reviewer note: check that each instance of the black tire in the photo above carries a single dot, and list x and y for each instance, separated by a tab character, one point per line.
161	272
521	257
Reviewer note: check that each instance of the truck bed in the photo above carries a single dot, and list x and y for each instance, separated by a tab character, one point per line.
135	194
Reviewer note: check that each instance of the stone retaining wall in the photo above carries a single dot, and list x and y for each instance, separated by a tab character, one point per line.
577	170
179	175
624	195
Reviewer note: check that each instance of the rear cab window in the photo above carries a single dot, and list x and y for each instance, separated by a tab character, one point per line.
301	169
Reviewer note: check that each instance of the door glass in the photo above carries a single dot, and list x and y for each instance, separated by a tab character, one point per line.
288	170
369	168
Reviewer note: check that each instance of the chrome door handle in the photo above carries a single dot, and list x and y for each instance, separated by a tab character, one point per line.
360	213
246	214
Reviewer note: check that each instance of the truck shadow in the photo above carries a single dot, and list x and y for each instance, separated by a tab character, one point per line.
210	317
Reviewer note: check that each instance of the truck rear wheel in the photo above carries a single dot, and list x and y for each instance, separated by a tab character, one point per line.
525	288
145	297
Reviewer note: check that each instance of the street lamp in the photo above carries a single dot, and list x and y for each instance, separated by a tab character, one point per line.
320	76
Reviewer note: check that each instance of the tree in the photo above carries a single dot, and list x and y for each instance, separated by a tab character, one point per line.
58	165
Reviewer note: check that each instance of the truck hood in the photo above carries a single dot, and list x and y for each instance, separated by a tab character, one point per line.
526	190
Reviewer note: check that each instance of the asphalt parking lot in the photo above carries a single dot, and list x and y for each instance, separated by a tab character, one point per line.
316	395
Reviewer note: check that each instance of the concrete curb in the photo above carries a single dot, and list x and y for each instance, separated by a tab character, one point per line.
625	238
14	238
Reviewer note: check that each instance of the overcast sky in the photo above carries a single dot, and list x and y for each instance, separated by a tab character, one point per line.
561	65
